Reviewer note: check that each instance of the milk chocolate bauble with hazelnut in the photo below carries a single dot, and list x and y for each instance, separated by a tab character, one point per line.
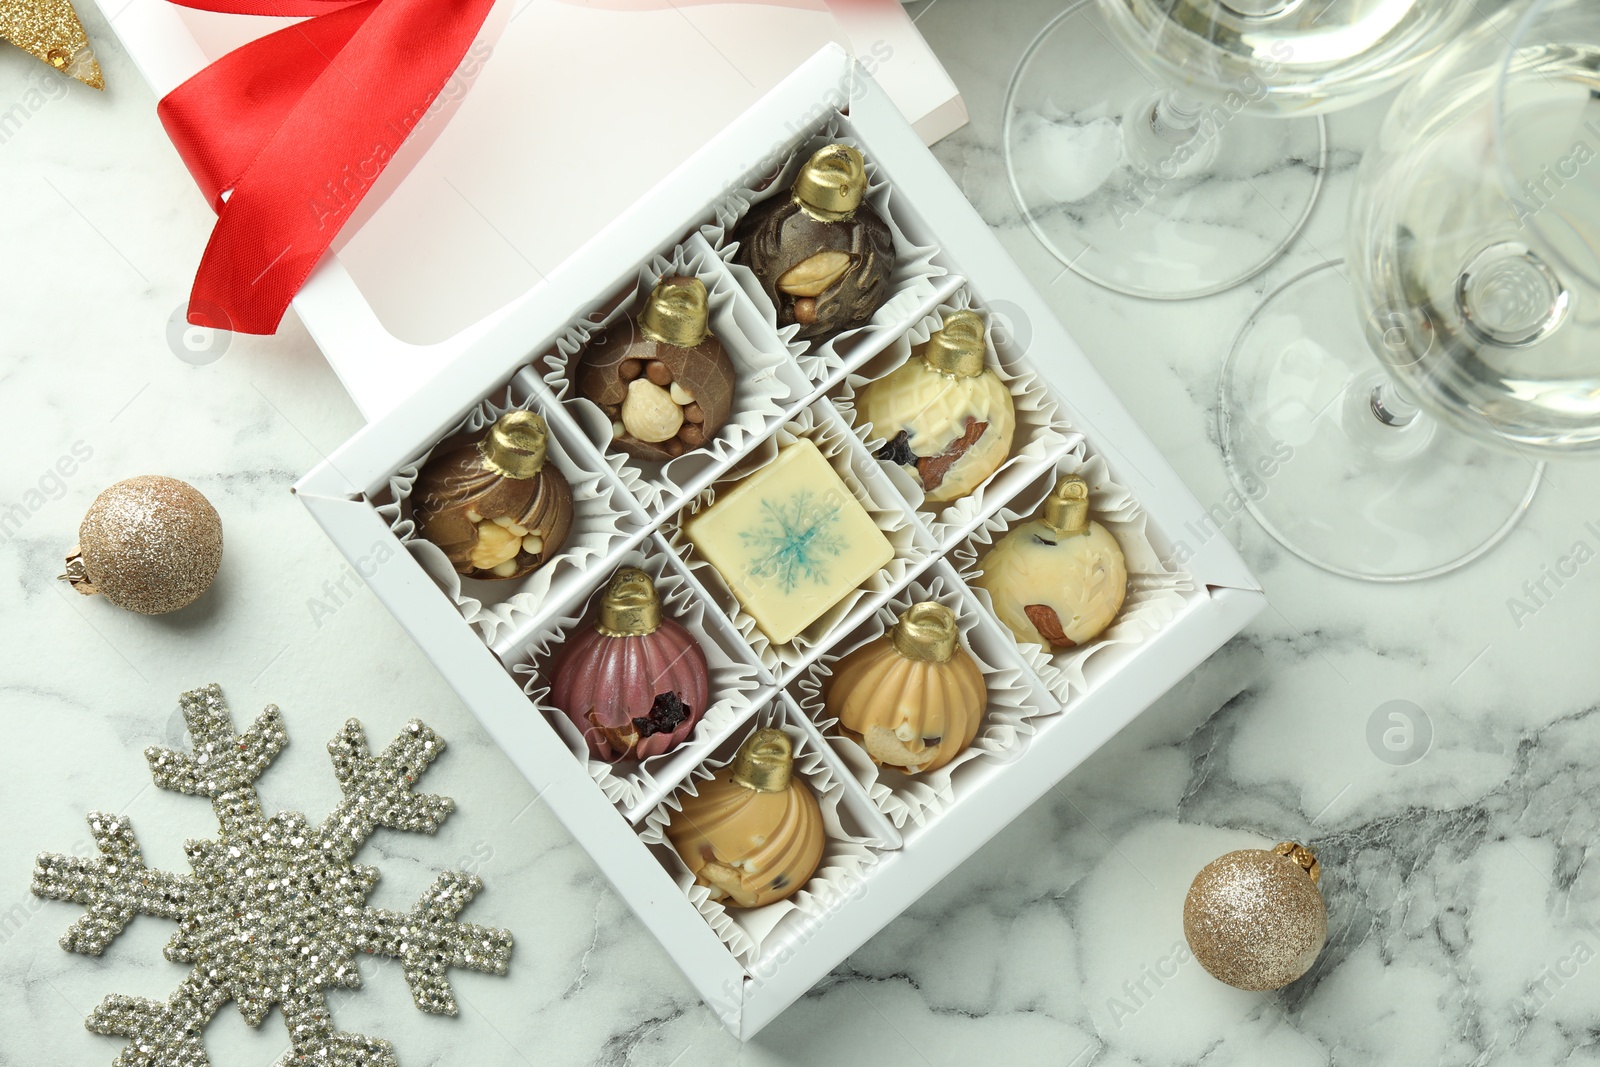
946	415
823	255
148	544
663	380
914	697
495	507
1058	580
753	833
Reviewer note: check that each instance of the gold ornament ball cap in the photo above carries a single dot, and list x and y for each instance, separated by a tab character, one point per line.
765	762
956	348
630	607
515	445
927	631
1066	510
833	183
1305	857
677	313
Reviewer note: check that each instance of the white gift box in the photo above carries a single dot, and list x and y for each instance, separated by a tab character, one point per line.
555	117
889	842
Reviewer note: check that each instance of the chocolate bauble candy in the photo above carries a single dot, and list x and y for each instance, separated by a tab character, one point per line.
914	697
635	683
148	544
946	415
823	255
752	834
1058	580
1255	919
495	507
663	380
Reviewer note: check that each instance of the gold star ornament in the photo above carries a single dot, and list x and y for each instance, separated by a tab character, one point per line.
50	30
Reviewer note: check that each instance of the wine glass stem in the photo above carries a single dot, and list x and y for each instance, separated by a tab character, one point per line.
1391	406
1168	134
1175	119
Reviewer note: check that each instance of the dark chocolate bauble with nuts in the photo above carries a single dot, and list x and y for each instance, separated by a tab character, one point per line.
823	255
148	544
665	383
495	507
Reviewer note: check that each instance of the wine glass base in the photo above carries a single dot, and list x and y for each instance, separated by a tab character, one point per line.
1326	478
1205	218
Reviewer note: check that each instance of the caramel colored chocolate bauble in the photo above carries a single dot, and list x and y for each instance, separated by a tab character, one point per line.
753	833
666	384
823	255
148	544
635	683
914	697
1058	580
1255	918
946	415
495	507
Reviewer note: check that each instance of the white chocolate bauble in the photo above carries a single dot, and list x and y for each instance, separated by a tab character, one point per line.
933	408
1082	577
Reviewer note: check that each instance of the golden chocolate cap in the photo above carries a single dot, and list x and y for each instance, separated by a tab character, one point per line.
956	348
1066	510
765	761
832	183
927	631
630	607
515	445
676	313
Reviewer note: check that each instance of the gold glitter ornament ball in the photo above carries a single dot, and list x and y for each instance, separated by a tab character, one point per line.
1255	918
148	544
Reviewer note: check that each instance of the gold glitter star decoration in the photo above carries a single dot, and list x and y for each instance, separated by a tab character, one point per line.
50	30
275	908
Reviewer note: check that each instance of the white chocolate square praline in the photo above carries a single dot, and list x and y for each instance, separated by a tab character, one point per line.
790	541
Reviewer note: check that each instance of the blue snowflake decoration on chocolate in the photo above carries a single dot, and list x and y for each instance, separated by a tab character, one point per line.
794	541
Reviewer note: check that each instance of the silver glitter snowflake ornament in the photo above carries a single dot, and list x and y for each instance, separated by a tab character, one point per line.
275	908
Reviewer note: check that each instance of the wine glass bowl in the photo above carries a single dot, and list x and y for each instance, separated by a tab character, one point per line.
1306	56
1171	149
1478	211
1460	344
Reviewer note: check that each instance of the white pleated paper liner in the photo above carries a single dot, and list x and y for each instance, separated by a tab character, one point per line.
1041	431
1155	597
1012	701
918	268
601	521
753	935
735	687
822	425
766	377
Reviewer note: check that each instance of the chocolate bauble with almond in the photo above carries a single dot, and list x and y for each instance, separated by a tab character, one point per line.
662	379
822	254
1059	580
496	507
944	414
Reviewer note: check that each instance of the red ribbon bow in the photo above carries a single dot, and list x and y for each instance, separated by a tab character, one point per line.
298	124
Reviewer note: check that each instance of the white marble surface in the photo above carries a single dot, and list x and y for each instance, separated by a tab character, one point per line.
1459	891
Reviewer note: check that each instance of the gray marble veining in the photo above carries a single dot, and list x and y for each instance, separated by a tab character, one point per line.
1464	917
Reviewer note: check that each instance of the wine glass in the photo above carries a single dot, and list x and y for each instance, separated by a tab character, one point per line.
1391	414
1173	148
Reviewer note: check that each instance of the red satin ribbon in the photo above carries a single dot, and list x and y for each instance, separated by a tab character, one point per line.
298	124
